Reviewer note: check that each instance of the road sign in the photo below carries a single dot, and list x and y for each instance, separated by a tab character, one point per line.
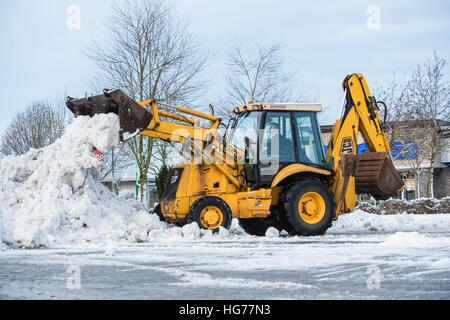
100	156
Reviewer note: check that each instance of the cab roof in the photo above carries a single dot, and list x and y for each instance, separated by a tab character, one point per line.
315	107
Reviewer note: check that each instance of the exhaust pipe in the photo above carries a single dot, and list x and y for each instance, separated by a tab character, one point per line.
133	117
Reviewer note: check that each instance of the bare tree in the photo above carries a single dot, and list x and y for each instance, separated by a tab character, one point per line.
427	97
421	102
116	161
415	147
405	137
37	126
160	155
257	77
150	56
392	94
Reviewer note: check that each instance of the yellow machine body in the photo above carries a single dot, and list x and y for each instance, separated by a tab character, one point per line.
198	181
221	178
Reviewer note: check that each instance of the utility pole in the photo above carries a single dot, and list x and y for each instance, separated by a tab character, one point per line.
113	175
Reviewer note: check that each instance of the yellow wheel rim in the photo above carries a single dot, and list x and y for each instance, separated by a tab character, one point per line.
211	217
311	207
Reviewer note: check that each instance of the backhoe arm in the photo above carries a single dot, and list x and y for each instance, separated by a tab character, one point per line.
372	173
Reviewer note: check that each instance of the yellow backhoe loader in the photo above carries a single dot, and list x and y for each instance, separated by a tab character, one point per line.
269	168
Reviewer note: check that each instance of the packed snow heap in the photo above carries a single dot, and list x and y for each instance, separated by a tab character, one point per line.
417	206
54	193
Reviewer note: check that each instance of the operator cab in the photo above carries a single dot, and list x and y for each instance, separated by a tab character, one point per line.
276	135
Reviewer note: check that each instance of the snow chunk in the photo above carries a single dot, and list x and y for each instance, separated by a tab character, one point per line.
191	231
272	232
223	232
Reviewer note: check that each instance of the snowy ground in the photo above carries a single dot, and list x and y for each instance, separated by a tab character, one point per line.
362	256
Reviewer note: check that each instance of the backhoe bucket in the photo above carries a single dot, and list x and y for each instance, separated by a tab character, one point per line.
376	175
133	117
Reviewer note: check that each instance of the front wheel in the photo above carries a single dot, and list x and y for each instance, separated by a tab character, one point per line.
308	206
211	213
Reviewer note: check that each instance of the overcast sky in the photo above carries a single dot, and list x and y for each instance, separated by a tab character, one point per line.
41	57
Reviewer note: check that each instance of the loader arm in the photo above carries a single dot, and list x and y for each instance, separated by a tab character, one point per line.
371	173
147	119
205	143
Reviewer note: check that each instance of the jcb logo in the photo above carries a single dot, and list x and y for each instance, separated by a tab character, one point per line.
347	145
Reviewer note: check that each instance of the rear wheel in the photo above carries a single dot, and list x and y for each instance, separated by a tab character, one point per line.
308	207
210	213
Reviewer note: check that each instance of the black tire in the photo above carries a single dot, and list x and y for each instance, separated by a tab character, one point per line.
255	226
157	210
290	203
259	226
195	214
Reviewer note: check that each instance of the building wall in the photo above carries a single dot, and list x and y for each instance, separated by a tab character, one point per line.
441	182
127	185
423	184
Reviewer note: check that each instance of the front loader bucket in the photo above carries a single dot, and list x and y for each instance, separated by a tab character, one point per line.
133	117
376	175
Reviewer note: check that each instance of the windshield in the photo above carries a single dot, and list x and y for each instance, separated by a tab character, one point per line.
246	126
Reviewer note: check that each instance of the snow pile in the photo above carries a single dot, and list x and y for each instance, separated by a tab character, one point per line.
361	221
411	239
192	231
54	194
417	206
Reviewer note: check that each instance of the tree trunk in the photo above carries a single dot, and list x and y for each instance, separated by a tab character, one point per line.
142	182
432	160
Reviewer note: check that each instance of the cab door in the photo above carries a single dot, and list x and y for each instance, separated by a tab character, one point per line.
277	144
245	137
309	144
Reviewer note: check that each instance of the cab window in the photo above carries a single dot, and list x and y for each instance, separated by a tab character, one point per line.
309	143
278	142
